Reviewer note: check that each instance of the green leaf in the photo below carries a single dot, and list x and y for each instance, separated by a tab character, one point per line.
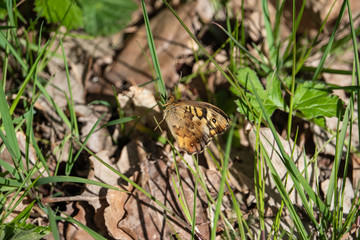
23	215
120	121
105	17
3	10
20	230
55	10
320	121
244	75
272	97
314	100
275	96
245	109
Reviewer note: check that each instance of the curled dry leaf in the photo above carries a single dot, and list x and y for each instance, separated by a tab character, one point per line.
75	232
95	194
141	216
115	213
129	158
140	102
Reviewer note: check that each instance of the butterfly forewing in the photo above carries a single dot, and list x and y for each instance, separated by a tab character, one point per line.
194	123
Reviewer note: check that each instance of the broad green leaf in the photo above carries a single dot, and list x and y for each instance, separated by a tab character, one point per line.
244	75
320	121
105	17
55	10
272	97
275	96
314	100
244	109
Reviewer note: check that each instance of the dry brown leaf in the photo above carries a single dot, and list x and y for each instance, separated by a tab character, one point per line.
347	196
73	232
205	10
356	169
32	155
324	6
142	103
146	219
100	139
59	85
101	173
128	157
171	41
116	212
321	136
20	207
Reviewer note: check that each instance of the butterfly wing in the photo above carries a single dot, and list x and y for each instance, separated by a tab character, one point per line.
193	124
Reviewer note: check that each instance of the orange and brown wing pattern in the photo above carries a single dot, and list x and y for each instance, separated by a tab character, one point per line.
193	124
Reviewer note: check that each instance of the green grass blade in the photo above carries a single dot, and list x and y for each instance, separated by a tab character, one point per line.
340	140
91	232
4	43
70	101
193	221
39	152
24	214
269	32
10	140
301	183
285	196
160	81
331	41
52	222
120	121
356	56
26	184
222	183
10	169
27	79
55	179
8	182
60	112
353	214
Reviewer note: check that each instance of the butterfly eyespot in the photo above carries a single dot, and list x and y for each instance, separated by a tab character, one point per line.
197	140
213	120
191	144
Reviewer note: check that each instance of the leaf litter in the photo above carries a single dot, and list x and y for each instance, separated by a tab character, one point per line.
130	214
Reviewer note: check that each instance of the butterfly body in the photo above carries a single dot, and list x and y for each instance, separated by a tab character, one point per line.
194	123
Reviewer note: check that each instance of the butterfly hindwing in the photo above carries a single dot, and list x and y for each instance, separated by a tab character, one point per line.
193	123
